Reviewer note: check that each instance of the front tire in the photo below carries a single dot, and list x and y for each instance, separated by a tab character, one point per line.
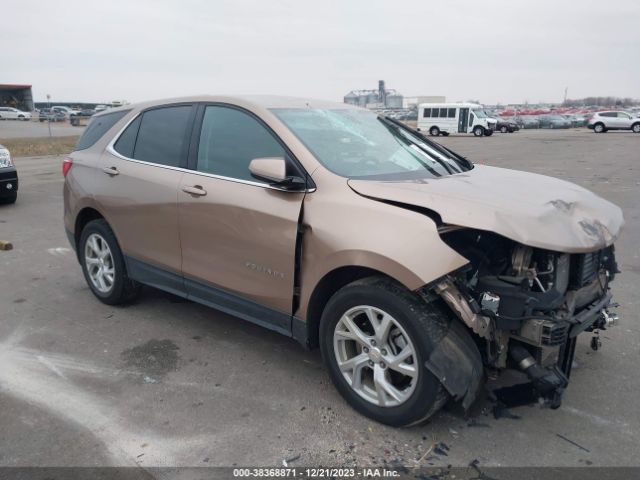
504	129
434	131
103	264
375	337
635	128
478	131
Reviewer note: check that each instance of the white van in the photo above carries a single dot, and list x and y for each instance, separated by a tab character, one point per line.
446	118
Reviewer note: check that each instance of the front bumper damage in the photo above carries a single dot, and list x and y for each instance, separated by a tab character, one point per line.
539	344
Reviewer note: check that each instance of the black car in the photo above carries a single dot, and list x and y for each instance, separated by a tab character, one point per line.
505	125
8	177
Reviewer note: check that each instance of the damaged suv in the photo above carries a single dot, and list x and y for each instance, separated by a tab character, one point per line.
415	271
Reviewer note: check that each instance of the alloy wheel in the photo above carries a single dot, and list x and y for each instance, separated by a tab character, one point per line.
99	263
376	356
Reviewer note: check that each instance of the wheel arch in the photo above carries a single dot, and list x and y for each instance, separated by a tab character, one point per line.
85	215
328	285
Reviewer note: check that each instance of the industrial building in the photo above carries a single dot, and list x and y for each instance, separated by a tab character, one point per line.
375	99
413	102
16	96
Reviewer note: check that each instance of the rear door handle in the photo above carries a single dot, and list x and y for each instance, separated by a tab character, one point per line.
196	190
113	171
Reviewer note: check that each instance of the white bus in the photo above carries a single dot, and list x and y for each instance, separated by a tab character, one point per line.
446	118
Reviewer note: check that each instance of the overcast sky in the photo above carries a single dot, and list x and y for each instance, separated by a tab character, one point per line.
492	51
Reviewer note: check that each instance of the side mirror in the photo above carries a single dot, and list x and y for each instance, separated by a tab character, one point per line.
274	170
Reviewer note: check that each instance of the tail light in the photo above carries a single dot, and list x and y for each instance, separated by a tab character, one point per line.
67	163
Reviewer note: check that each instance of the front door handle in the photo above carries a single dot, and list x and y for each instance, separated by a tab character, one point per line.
113	171
196	191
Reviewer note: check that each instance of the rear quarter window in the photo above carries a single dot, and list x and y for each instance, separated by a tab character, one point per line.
97	128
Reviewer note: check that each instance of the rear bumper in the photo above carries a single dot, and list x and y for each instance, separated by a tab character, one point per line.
8	181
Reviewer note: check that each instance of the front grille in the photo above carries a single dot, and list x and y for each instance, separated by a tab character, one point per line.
584	268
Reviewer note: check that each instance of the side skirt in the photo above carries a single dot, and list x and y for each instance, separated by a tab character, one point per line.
216	298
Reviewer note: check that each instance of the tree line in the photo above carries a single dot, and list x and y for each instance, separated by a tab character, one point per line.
601	102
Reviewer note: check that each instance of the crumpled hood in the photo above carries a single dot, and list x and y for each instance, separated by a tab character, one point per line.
531	209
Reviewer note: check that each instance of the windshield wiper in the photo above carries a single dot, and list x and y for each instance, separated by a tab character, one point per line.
459	159
407	142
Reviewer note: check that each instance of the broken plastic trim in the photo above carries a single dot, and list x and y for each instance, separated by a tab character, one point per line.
457	363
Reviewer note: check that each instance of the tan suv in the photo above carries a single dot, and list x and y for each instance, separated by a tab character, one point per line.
414	270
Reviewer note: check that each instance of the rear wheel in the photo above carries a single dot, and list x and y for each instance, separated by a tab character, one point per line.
103	264
478	131
504	129
375	337
434	131
599	128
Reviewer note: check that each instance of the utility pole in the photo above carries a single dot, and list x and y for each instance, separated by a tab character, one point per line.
566	89
49	114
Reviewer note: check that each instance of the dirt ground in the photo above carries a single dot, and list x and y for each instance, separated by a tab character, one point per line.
39	146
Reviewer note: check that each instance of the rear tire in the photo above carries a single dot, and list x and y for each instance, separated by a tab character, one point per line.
504	129
348	334
599	128
478	131
99	253
434	131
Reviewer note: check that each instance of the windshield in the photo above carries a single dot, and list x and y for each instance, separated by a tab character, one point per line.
480	113
357	144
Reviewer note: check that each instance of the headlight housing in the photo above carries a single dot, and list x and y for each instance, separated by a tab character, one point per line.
5	158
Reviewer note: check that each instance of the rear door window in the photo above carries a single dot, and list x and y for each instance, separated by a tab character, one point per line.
162	135
97	128
127	141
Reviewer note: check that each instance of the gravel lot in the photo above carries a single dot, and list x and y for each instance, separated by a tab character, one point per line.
168	382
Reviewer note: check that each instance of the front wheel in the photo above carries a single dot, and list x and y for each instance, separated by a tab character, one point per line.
635	128
103	264
478	131
504	129
434	131
375	337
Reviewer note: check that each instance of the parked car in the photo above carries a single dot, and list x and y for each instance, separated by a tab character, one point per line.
553	121
68	112
48	114
8	177
576	120
527	121
324	222
87	112
100	108
10	113
506	125
600	122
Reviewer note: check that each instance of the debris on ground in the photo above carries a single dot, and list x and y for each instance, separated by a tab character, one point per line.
5	245
441	448
287	461
573	443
